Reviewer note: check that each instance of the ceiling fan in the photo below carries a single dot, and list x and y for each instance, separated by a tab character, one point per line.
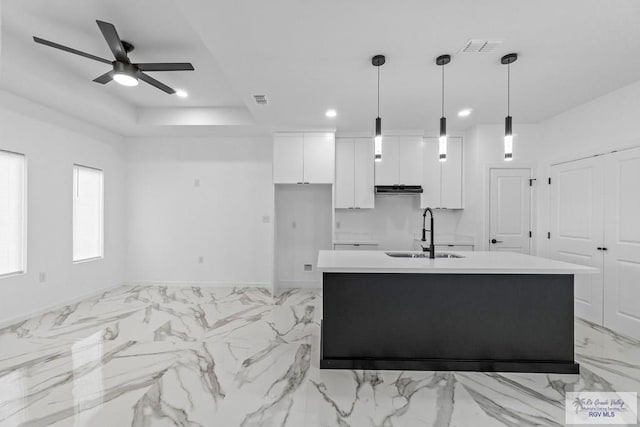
124	71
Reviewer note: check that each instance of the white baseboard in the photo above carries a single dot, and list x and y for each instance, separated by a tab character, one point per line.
17	319
203	284
296	284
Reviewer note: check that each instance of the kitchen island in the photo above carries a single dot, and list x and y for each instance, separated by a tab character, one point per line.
484	311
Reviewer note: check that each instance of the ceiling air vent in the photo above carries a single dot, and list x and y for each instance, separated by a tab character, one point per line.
260	99
480	46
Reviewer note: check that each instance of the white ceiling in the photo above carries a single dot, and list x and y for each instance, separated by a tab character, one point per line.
308	56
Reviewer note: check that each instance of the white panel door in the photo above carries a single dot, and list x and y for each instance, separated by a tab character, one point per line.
576	223
363	174
288	159
510	210
319	158
345	162
410	160
430	197
451	178
387	169
622	234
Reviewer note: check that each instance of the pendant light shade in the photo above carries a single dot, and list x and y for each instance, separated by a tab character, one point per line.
442	141
443	60
508	125
377	61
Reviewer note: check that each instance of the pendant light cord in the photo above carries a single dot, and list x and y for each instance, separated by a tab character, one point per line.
442	90
378	91
508	89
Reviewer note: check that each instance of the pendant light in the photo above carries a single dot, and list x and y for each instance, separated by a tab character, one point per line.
443	60
377	62
508	127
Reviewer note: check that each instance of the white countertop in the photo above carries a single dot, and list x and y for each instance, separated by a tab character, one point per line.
472	263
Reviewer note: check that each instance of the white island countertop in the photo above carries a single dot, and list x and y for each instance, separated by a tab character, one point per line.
472	263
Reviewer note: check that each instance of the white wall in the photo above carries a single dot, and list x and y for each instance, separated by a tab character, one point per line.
51	151
172	221
303	227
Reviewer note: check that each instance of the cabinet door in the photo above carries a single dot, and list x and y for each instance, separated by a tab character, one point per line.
319	158
387	169
576	222
451	176
287	159
363	174
345	166
430	197
410	160
622	240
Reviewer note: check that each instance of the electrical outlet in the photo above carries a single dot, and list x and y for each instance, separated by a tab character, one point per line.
266	219
200	259
196	183
42	277
308	267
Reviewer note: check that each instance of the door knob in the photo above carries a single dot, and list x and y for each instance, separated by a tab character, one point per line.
494	241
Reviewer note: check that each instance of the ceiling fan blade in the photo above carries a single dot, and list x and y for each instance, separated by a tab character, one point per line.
69	49
153	82
105	78
166	66
113	40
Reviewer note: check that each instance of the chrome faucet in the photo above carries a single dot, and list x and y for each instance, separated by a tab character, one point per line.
431	249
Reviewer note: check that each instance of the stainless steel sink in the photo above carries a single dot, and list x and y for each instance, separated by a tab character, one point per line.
447	255
421	255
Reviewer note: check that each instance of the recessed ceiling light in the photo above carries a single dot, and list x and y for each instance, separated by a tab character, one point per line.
331	113
465	113
181	93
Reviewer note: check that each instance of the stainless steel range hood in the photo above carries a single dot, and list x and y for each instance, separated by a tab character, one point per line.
398	189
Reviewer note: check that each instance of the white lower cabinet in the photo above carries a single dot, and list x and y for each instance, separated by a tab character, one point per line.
442	181
594	211
354	187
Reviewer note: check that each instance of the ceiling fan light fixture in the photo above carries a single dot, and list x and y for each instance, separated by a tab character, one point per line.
181	93
125	74
125	79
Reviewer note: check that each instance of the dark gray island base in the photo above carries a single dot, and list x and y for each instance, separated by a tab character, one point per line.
448	322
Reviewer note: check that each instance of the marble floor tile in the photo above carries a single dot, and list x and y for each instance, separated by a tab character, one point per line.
186	356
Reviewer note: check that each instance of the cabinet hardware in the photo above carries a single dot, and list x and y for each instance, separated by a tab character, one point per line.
602	248
494	241
549	180
299	182
531	182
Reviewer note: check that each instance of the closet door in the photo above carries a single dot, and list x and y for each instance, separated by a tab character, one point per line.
576	207
622	231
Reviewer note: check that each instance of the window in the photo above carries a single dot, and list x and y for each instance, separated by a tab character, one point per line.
88	230
12	213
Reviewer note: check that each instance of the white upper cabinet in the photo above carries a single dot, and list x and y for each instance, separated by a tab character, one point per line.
442	181
401	161
451	180
363	187
387	170
430	196
410	160
307	158
319	158
354	173
345	158
288	158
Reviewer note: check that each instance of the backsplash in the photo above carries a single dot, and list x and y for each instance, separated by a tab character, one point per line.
394	223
